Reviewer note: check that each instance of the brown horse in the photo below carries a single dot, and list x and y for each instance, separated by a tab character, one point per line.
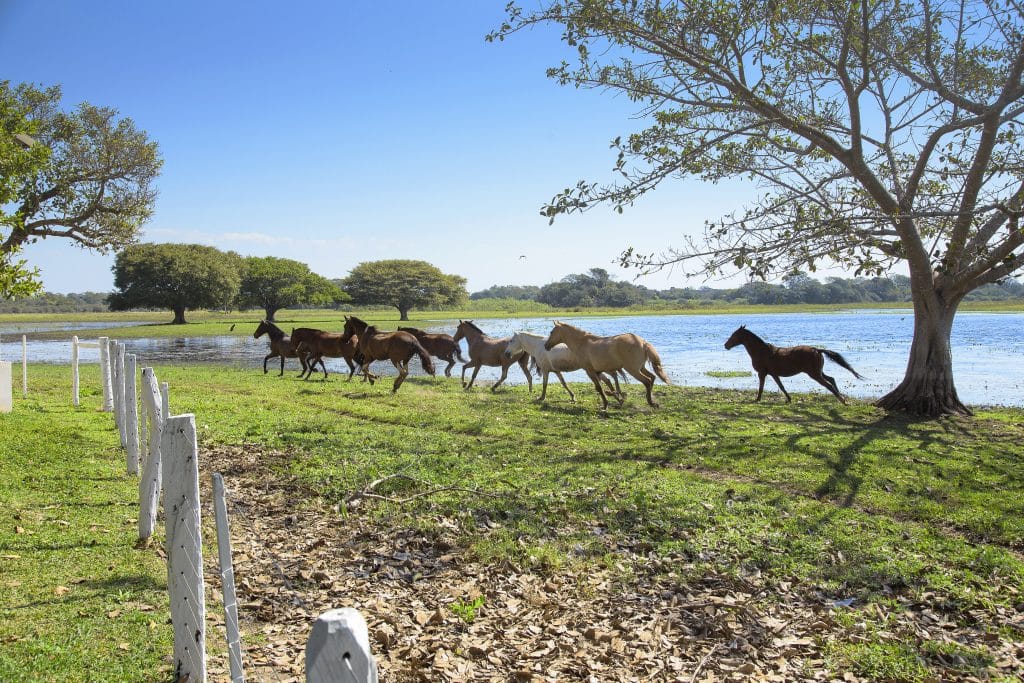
484	350
280	345
610	354
438	345
397	347
318	344
787	361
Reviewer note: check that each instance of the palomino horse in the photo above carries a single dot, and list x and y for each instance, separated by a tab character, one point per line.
280	345
609	354
787	361
319	344
397	347
558	360
438	345
484	350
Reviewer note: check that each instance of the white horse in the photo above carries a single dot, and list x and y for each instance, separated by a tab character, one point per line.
558	360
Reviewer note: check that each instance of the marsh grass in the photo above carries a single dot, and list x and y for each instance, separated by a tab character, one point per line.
840	501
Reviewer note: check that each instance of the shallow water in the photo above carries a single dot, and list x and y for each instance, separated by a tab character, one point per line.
988	349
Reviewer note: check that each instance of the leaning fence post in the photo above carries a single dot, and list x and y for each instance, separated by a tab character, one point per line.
339	649
227	578
131	414
24	367
180	452
108	396
165	400
149	484
74	371
117	379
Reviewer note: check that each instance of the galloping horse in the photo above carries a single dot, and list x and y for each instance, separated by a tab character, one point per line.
438	345
397	347
280	345
558	360
609	354
484	350
787	361
318	344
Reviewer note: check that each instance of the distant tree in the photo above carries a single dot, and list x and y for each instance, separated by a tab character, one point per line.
85	175
523	292
273	283
404	284
174	276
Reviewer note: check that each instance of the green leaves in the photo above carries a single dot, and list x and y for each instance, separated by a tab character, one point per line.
404	284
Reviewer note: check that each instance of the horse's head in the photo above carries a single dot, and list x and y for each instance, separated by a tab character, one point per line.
353	325
737	337
261	329
556	337
514	346
460	331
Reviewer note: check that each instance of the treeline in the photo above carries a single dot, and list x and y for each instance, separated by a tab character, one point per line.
598	289
85	302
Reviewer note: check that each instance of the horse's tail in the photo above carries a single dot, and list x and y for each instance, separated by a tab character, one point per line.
425	360
534	366
458	354
655	361
839	360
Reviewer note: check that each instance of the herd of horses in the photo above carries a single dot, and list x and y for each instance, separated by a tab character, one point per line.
565	349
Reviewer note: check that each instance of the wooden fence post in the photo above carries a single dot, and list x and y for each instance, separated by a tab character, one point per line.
180	453
24	367
149	484
227	578
120	408
74	371
6	400
108	396
131	415
165	400
338	649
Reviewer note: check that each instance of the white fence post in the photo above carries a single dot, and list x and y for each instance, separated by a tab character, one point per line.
6	400
131	414
339	649
24	367
74	371
108	396
165	400
180	452
227	578
149	484
118	380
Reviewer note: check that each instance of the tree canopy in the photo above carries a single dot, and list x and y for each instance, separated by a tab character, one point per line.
273	283
404	284
879	132
85	175
174	276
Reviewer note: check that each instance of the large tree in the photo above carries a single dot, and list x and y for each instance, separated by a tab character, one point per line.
174	276
85	175
880	132
273	283
404	284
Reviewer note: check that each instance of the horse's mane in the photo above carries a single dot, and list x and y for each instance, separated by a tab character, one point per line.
473	325
756	338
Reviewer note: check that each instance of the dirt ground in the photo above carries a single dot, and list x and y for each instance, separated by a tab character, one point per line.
296	558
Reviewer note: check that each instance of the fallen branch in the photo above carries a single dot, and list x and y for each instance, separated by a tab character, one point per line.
367	491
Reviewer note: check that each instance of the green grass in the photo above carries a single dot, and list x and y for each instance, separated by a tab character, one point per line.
728	373
842	501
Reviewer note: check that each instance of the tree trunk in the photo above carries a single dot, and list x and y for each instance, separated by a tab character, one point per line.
270	313
927	388
179	315
403	313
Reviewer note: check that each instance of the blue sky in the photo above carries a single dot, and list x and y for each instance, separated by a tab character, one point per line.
335	133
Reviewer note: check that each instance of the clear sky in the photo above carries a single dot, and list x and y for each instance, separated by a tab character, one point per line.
340	132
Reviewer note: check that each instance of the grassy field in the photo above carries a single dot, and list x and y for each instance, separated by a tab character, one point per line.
886	527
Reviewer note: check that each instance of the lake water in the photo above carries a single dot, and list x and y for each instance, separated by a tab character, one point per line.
988	349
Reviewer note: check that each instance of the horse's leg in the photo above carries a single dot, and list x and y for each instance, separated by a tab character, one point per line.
268	357
464	366
524	363
760	385
608	383
280	374
403	370
829	383
351	368
504	374
367	377
779	382
472	378
647	380
572	396
600	392
448	370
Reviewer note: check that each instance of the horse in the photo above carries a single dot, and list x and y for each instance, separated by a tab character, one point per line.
280	345
558	360
438	345
397	347
484	350
596	354
787	361
318	344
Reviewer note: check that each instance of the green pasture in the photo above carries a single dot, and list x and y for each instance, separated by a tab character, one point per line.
839	501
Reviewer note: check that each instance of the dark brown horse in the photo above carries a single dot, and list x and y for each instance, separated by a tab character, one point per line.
397	347
280	345
318	344
484	350
441	346
787	361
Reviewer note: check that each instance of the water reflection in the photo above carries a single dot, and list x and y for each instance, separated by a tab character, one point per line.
987	348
